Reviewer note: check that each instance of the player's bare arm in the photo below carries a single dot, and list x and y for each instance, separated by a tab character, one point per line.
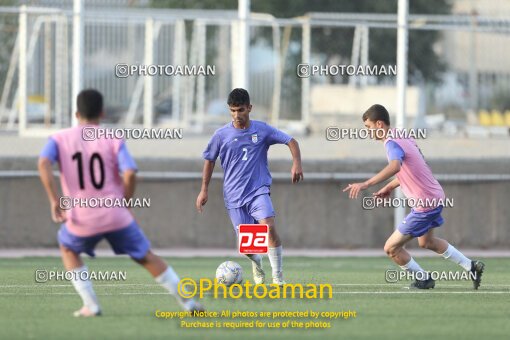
46	175
390	170
387	189
206	178
296	171
129	180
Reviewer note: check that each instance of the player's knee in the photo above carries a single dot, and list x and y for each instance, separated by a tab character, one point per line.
144	260
271	226
273	235
141	261
272	230
428	244
390	249
66	250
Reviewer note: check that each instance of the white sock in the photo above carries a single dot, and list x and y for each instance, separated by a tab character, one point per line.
414	267
170	280
85	289
257	259
456	256
275	258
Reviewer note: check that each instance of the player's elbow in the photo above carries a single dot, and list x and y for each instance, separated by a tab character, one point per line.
293	144
129	175
43	163
395	166
209	165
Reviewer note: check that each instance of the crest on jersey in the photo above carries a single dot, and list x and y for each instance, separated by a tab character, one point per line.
254	138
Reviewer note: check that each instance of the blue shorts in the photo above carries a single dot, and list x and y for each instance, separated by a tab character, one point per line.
419	223
259	208
129	240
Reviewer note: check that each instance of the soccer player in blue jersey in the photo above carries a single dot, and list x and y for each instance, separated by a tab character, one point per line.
242	146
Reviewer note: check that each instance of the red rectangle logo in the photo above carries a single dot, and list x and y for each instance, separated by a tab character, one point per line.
253	238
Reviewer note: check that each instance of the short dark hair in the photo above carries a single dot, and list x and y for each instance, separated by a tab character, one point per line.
377	112
90	103
238	97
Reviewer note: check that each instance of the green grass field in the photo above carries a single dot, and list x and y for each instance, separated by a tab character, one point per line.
453	310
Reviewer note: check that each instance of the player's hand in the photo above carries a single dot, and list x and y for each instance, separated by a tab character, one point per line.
57	214
383	193
296	173
355	188
201	200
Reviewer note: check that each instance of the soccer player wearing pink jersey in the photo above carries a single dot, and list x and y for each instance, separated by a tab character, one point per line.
101	168
415	178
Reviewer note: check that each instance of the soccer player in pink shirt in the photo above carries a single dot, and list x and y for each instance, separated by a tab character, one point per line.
101	168
414	176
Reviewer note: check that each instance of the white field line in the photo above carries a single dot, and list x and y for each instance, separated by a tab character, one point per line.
393	285
334	254
344	293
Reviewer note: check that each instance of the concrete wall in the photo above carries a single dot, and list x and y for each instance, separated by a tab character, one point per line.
313	214
339	99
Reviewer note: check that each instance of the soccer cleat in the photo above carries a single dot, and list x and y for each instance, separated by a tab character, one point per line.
85	312
190	305
423	284
278	279
477	268
259	276
197	307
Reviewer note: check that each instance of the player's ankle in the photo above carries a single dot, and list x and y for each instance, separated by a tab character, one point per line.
93	308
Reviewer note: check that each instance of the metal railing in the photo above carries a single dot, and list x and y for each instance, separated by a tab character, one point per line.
277	176
39	99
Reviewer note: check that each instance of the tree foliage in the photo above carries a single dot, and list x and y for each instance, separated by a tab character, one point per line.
424	63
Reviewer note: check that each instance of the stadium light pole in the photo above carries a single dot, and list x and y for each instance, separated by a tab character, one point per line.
240	73
402	45
77	76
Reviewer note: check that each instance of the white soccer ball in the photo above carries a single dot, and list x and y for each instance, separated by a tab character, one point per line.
229	272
